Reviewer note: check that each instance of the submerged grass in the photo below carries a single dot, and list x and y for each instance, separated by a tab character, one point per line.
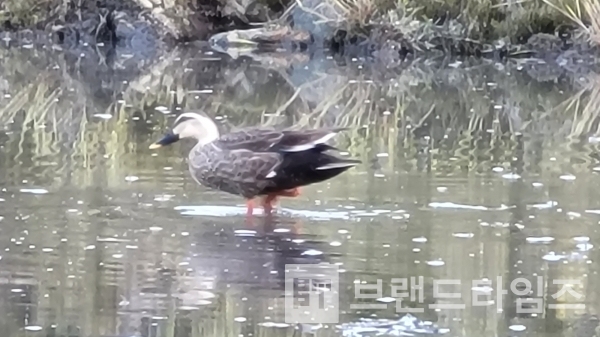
448	120
584	107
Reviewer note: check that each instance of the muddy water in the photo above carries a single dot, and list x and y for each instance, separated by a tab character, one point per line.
472	173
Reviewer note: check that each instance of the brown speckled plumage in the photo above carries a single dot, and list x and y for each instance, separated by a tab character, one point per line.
240	162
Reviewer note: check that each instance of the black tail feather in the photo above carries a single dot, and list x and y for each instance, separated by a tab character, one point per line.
308	167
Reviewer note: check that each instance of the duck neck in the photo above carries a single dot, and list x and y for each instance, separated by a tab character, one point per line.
210	132
209	137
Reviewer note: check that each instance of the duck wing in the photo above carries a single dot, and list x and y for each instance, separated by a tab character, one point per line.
238	171
257	139
261	161
267	139
302	140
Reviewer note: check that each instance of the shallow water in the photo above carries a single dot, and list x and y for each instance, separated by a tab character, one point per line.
463	162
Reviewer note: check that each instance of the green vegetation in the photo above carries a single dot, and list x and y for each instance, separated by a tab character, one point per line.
31	13
485	21
488	20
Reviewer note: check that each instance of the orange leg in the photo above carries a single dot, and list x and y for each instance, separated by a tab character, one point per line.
271	199
249	212
268	202
294	192
297	227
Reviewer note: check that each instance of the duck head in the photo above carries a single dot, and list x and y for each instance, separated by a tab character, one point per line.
189	125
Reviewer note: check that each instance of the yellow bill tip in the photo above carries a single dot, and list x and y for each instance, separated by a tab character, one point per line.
154	146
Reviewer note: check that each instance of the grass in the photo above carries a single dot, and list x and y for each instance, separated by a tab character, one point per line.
584	107
31	13
584	13
483	20
593	10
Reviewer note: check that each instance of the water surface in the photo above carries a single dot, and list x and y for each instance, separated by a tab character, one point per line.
471	171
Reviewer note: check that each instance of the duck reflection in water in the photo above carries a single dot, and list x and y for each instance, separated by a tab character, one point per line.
258	258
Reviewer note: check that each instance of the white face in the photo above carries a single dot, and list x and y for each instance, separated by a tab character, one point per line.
196	126
189	128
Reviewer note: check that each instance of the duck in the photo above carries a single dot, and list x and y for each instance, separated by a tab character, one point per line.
257	162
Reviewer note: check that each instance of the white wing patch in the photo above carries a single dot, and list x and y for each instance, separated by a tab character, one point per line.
307	146
332	166
271	174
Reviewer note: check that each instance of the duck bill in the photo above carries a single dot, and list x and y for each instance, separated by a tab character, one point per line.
167	139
